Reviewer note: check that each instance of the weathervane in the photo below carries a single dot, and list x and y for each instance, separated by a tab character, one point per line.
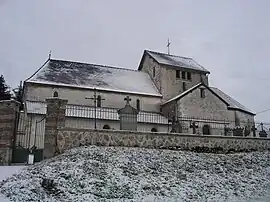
168	46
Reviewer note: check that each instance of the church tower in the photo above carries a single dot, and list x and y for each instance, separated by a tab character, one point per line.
172	74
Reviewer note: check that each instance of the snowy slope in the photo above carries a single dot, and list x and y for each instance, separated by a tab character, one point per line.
5	172
136	174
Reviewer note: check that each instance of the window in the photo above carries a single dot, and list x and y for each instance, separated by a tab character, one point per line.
154	130
154	71
99	101
55	94
138	104
189	76
178	74
206	129
183	75
106	127
184	86
202	93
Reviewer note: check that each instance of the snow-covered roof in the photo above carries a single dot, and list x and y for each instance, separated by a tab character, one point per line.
89	112
82	75
232	102
176	61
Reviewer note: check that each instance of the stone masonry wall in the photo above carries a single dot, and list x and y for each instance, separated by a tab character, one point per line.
8	114
69	138
55	119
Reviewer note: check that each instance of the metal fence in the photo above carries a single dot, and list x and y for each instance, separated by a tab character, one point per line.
112	114
197	125
85	116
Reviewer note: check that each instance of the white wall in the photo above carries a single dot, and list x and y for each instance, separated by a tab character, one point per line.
77	96
83	123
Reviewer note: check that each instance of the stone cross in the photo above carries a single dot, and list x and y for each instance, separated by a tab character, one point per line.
253	129
127	99
193	126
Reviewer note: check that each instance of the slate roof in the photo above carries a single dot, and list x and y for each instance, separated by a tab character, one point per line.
231	103
76	74
176	61
34	107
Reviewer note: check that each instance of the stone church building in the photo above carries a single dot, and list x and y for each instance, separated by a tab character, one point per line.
170	93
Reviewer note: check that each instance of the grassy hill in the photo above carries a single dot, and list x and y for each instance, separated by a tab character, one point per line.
136	174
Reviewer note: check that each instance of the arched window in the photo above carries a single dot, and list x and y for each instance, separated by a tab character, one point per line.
138	104
55	94
106	127
154	130
206	129
98	101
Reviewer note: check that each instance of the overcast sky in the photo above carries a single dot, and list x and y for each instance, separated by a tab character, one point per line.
230	38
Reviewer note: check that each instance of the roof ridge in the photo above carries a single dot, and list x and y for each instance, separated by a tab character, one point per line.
169	54
100	65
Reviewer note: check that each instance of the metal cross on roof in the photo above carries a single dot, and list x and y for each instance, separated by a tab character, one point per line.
168	46
127	99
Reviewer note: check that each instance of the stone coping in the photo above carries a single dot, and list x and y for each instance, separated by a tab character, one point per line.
163	133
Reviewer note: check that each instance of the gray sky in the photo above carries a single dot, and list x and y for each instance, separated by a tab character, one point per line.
231	38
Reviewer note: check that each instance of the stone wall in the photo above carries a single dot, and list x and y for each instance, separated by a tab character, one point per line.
55	120
165	78
209	107
8	114
68	138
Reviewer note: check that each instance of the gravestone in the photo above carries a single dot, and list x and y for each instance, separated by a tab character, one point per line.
128	116
262	133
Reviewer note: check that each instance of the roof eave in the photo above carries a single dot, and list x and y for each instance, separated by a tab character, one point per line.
183	94
92	88
242	110
142	60
187	68
37	70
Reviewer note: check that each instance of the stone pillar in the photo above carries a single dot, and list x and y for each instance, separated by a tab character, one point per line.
9	111
55	119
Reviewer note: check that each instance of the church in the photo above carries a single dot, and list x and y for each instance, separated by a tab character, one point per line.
170	93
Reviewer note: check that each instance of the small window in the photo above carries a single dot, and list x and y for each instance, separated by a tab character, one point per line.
154	130
99	101
189	76
55	94
138	104
202	93
154	71
178	74
184	86
106	127
183	75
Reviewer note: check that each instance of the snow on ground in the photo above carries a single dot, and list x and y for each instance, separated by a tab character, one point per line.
5	172
136	174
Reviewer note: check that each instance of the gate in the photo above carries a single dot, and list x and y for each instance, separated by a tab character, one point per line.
28	137
22	135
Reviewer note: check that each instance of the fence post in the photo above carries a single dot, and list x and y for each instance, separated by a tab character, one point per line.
9	110
55	119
